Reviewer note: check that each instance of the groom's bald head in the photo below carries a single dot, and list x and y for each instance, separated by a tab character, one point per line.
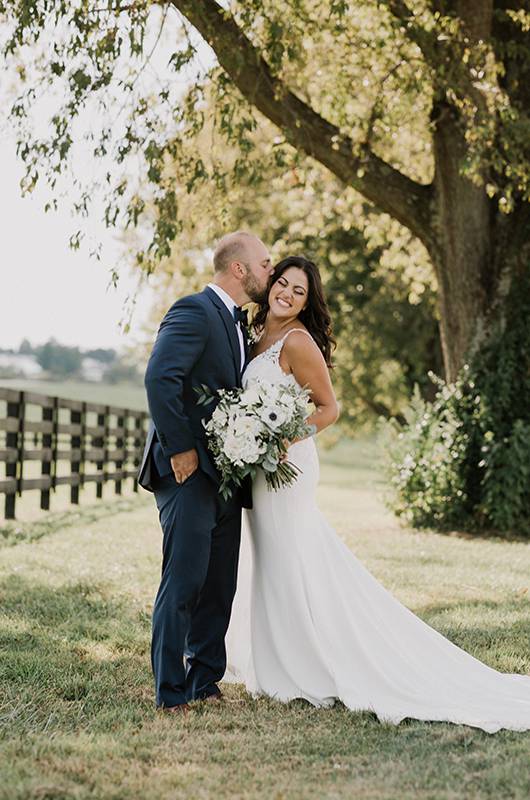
234	247
242	267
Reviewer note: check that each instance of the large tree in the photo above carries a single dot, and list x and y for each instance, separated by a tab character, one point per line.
421	107
378	282
476	63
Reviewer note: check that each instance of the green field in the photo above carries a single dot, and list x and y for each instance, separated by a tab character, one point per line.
124	395
76	701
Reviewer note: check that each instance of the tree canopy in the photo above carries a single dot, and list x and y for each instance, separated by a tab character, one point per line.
420	108
378	281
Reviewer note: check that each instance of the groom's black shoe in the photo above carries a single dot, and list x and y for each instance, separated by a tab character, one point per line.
212	697
183	709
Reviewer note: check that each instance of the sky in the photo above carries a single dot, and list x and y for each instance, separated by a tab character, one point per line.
46	289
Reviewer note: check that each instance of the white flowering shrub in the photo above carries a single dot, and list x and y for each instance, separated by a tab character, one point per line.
463	460
424	464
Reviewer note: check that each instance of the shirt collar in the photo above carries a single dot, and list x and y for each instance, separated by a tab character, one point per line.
225	297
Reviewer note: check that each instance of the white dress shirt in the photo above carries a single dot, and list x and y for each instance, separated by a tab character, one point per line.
230	304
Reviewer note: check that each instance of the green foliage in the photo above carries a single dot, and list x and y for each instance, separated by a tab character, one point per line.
426	459
393	102
463	460
57	359
377	277
25	347
61	361
105	355
370	72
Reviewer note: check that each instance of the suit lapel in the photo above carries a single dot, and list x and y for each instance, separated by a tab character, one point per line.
246	346
230	331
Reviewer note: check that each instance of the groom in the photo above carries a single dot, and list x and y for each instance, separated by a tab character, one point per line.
201	340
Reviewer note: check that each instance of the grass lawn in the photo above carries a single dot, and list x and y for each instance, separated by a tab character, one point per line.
76	701
124	395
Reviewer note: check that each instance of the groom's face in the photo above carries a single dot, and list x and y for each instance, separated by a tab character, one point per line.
259	269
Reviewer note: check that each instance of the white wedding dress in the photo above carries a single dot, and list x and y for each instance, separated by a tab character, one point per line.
309	621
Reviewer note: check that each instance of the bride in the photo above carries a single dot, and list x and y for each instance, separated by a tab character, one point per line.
309	621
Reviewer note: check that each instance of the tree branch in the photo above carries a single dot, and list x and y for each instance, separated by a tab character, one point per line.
425	40
385	186
475	17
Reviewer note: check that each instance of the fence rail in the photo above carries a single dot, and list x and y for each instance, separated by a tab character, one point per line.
89	442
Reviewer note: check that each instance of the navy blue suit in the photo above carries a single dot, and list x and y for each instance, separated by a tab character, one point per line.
197	343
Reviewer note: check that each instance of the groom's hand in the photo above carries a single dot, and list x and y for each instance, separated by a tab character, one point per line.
184	464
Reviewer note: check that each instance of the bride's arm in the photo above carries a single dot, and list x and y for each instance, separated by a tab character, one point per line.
301	356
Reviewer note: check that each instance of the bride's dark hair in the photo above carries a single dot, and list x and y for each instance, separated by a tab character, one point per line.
315	316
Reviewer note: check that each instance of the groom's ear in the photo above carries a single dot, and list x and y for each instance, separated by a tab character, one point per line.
238	269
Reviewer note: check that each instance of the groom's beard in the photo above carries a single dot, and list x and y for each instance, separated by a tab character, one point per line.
255	292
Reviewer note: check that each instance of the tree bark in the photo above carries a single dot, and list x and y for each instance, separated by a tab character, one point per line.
462	218
462	256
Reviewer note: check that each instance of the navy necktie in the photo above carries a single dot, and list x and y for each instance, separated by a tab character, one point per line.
240	316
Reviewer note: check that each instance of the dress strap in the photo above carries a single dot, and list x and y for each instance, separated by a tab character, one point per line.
301	330
272	353
278	346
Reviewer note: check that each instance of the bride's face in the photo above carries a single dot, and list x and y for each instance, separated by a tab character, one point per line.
289	294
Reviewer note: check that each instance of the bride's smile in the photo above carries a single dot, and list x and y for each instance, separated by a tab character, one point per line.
288	295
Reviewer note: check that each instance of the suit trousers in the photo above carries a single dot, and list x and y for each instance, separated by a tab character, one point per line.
201	537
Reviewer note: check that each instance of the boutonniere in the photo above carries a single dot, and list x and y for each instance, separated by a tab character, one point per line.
252	335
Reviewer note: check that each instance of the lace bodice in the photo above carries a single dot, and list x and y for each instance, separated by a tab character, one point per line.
266	365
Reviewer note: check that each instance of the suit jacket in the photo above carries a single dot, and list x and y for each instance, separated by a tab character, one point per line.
197	344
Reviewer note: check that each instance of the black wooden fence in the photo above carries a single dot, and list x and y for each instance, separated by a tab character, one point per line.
91	443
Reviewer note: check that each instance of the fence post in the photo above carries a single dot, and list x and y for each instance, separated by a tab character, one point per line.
75	443
118	465
12	441
106	443
138	430
83	444
46	463
55	441
98	442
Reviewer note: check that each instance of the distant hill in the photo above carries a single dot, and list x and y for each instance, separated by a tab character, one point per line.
54	361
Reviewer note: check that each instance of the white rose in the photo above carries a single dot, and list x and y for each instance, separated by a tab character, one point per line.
249	427
234	420
254	450
251	395
234	448
219	417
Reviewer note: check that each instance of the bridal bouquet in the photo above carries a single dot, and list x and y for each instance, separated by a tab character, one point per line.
249	429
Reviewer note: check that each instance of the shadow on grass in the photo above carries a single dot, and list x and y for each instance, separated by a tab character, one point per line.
72	651
492	636
16	531
76	690
79	652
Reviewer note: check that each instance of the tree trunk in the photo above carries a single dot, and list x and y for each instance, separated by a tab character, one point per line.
462	255
462	218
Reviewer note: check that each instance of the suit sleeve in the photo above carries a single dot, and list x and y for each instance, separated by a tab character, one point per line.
181	339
